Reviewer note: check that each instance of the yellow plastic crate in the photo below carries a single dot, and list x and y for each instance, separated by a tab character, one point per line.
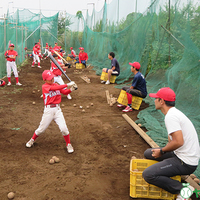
69	59
80	66
104	77
139	188
136	101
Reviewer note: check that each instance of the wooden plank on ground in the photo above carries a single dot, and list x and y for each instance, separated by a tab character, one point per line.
108	96
86	79
188	179
140	131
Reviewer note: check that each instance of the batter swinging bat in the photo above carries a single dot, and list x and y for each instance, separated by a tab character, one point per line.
60	56
59	67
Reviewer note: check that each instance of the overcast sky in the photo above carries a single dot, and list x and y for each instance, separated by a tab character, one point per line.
51	7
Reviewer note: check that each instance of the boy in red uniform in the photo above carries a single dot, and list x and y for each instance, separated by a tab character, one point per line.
83	56
36	54
10	56
52	111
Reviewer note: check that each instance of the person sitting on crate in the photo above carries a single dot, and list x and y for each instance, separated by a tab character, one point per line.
181	154
73	53
82	57
138	87
115	69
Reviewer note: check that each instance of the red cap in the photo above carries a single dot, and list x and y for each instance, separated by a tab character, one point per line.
71	47
81	48
165	93
56	43
47	75
11	45
135	64
46	43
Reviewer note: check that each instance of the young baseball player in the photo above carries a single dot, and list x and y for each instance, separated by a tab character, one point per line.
138	87
46	51
36	52
83	56
58	74
52	111
73	53
115	69
10	56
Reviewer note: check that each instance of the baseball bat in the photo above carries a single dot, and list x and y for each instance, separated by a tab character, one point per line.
60	56
59	67
8	45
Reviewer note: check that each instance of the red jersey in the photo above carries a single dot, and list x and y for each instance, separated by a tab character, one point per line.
47	46
51	49
82	56
52	93
36	50
11	53
55	69
56	48
73	53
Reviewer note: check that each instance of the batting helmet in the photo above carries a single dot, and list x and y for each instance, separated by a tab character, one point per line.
2	82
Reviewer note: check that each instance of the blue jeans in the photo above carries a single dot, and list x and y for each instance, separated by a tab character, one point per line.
170	165
82	61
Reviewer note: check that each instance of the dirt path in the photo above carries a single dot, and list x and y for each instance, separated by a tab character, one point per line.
103	141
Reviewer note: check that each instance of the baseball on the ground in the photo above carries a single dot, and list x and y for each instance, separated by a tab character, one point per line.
88	106
38	90
56	159
33	102
74	105
33	92
11	195
139	125
81	106
51	161
83	110
63	105
91	104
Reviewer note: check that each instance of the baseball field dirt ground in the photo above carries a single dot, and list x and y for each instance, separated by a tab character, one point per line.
103	142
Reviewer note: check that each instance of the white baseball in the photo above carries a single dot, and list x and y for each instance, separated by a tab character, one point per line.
11	195
51	161
33	102
81	106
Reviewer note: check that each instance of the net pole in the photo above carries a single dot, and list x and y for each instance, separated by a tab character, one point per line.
4	33
169	60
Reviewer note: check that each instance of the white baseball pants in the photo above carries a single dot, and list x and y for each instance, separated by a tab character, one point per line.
36	57
11	66
59	80
50	114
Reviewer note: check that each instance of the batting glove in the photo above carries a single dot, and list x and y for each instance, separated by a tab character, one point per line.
71	83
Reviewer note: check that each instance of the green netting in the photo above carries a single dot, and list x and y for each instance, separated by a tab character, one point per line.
164	38
163	35
24	28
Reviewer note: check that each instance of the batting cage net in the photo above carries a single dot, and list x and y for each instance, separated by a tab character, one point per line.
163	35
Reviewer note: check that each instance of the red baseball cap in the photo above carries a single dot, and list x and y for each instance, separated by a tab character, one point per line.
11	45
47	75
81	48
135	64
46	43
165	93
71	47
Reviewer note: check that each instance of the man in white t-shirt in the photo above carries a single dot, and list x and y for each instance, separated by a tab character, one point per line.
181	154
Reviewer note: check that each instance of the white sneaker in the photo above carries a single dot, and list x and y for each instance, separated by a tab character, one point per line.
103	82
9	84
107	82
32	66
69	96
39	67
30	143
70	148
18	83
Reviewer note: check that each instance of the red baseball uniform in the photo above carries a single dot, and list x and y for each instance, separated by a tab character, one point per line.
11	53
83	56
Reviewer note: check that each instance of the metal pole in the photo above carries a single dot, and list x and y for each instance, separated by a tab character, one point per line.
22	44
169	37
65	31
16	34
4	32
